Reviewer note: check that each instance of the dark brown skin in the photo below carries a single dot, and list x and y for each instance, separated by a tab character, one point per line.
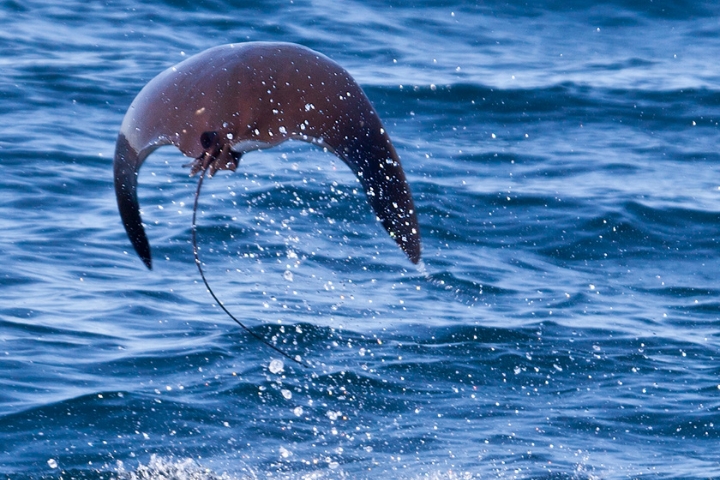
233	99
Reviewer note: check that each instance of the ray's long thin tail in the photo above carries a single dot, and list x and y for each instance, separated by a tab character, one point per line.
297	359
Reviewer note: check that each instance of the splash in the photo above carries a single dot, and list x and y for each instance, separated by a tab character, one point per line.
159	468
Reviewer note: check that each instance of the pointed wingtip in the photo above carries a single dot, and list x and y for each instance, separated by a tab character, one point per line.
126	165
394	206
409	238
415	256
148	262
410	243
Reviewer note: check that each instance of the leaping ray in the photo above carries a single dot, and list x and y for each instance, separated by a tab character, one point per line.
232	99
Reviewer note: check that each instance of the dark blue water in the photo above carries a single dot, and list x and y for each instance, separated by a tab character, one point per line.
564	163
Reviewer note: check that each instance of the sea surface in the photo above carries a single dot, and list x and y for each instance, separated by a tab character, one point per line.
565	321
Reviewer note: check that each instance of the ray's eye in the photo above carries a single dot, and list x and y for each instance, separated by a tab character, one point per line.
207	139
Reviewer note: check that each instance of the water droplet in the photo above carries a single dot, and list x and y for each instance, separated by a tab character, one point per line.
276	366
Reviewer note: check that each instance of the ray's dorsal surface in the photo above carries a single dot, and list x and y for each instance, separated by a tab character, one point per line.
233	99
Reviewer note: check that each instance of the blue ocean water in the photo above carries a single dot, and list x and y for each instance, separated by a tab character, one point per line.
565	324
